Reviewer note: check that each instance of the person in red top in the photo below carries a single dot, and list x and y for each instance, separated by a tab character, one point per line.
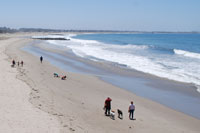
107	106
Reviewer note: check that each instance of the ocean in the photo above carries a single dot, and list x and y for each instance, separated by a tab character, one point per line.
171	56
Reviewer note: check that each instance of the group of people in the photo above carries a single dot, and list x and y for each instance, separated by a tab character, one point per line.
22	63
57	76
41	60
18	63
107	107
107	104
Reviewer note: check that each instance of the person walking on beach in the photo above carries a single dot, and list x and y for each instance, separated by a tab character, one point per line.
22	63
41	59
13	63
107	106
131	110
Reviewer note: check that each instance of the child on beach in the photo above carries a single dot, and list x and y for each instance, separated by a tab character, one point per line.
131	110
63	77
22	63
56	75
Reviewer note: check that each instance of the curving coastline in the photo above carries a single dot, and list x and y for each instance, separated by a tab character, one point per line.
78	101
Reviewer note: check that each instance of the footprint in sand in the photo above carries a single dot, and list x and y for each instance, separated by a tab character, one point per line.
71	129
65	126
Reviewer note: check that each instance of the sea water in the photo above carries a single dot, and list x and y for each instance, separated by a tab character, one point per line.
171	56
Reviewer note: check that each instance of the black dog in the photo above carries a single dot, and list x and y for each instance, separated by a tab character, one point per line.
120	114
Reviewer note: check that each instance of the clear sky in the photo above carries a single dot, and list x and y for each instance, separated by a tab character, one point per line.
142	15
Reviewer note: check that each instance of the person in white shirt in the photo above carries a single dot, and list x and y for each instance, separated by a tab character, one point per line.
131	110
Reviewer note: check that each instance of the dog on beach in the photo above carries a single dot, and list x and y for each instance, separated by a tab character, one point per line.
112	114
120	114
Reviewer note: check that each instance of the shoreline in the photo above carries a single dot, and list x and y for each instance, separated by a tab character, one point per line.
173	94
72	101
96	63
153	74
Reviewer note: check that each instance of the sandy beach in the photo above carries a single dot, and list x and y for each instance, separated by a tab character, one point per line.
33	100
17	113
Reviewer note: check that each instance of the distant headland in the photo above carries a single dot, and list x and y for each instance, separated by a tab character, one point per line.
11	30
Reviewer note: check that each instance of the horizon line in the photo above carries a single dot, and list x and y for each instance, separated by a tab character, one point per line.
94	30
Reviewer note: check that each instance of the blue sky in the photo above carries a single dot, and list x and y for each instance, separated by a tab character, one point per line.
142	15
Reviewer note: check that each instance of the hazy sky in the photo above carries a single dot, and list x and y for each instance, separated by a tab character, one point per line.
143	15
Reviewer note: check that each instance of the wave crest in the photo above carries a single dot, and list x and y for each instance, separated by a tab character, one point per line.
130	46
187	53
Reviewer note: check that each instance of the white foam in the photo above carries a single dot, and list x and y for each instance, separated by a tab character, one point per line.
187	53
198	89
127	47
178	70
52	36
83	41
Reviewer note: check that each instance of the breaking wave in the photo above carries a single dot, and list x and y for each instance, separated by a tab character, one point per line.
187	53
139	57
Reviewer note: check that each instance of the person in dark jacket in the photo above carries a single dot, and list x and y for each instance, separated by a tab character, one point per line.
41	59
107	106
22	63
13	63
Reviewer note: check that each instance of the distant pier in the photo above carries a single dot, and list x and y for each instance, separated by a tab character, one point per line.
50	38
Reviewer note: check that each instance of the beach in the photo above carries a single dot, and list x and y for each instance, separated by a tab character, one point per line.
33	100
17	113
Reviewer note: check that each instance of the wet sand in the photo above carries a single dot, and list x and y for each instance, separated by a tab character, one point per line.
175	95
77	102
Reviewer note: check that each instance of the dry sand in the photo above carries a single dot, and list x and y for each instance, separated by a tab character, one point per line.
17	114
32	100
